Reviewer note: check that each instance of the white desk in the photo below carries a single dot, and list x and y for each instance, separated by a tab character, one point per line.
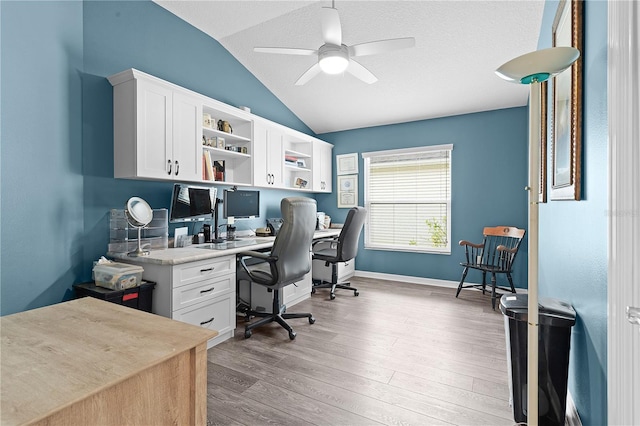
197	284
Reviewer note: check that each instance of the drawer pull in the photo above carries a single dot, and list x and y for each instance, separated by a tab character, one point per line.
207	291
207	322
206	270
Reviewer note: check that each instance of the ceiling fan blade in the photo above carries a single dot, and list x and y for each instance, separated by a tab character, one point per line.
308	74
357	70
285	51
381	46
331	29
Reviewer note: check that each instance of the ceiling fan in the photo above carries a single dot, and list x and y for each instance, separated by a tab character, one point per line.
335	57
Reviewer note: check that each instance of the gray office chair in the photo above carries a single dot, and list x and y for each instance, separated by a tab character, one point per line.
287	263
340	249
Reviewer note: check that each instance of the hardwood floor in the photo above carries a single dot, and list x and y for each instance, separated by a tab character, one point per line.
397	354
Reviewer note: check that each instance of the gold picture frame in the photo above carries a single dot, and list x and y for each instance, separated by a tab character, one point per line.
566	144
542	184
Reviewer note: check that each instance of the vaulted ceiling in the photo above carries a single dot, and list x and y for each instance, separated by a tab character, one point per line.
450	71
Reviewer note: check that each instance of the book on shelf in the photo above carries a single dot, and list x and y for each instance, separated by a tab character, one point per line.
290	159
209	174
218	169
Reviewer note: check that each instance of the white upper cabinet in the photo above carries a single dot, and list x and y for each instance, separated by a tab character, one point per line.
268	155
322	166
166	132
156	130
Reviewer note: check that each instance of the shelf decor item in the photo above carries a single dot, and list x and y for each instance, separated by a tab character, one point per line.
299	182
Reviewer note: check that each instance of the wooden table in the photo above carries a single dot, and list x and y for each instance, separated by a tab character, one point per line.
91	362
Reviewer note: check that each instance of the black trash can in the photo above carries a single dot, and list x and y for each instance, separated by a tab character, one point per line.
554	337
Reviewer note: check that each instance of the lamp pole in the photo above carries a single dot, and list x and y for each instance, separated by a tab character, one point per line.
534	68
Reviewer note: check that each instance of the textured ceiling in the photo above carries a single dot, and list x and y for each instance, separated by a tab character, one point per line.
459	44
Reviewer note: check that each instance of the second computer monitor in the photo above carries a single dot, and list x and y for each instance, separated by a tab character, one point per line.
241	204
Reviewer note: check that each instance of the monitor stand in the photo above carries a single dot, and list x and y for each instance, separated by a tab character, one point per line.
216	236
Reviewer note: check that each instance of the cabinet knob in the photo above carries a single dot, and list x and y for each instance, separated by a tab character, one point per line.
169	161
177	167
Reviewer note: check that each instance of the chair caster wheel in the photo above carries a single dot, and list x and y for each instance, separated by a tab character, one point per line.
247	334
355	293
312	320
332	296
292	335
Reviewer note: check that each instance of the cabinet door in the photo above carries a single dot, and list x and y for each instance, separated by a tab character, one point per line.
268	157
187	136
322	166
275	157
261	176
154	146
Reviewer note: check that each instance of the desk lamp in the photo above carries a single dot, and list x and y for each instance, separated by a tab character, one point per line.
534	68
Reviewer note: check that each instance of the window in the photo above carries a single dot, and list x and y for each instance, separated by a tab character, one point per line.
408	198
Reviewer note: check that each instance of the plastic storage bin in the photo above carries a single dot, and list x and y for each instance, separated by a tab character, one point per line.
138	297
117	276
554	337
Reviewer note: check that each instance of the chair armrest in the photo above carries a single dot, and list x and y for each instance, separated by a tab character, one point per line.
508	250
467	243
267	257
324	240
331	242
255	254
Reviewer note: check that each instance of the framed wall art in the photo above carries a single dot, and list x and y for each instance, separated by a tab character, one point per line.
542	184
347	164
347	191
566	144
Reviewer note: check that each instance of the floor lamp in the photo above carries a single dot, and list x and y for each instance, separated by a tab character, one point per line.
532	69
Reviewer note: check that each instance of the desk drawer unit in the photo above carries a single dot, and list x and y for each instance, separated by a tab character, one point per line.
217	314
193	272
345	271
208	289
201	293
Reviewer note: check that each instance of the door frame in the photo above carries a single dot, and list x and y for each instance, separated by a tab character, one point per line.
623	339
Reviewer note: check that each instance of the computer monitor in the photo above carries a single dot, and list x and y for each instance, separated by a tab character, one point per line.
191	203
241	204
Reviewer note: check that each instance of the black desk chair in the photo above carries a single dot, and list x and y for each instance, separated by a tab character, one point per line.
340	249
288	262
494	255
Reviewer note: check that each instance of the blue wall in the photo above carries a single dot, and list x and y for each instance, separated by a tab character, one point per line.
488	176
573	235
57	130
42	178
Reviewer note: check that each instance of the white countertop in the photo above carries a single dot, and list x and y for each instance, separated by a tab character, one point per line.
175	256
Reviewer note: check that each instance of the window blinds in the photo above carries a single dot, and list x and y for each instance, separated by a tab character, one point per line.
408	197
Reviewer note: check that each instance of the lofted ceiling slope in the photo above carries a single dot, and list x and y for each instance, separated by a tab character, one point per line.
450	71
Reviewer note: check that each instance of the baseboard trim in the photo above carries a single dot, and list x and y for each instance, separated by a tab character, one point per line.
417	280
407	279
572	418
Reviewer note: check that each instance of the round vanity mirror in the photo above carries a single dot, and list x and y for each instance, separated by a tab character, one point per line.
139	214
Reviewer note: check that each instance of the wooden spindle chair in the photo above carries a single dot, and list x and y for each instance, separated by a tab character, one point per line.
494	255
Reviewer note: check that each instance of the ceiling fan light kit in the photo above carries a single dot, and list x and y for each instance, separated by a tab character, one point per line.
335	57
